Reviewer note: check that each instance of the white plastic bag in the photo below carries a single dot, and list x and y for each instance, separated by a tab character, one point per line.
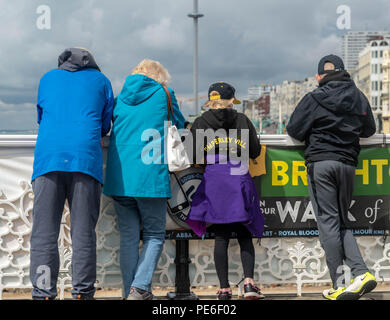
176	156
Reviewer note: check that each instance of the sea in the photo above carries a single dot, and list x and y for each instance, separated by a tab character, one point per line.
21	132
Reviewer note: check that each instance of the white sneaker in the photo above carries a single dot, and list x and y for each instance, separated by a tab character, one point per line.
359	286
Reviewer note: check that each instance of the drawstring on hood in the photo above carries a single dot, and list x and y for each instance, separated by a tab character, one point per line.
76	59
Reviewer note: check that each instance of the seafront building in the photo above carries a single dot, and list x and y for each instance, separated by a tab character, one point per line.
256	105
369	76
285	97
363	55
353	43
270	106
386	91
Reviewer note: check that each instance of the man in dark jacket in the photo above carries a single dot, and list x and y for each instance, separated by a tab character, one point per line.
331	120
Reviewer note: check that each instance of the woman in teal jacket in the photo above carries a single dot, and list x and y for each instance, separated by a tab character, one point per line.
137	177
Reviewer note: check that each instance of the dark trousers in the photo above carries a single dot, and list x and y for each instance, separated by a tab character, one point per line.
331	186
83	195
222	236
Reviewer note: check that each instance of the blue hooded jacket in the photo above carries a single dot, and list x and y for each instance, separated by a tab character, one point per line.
140	111
74	112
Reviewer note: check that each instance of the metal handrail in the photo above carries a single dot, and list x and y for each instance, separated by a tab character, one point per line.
28	141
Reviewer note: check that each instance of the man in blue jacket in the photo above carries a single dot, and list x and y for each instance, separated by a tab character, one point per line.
330	120
75	104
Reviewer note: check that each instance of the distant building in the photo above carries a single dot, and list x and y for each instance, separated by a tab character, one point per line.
369	75
285	97
255	92
264	103
386	91
353	43
268	105
256	106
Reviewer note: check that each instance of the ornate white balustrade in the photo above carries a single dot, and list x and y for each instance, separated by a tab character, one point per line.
278	260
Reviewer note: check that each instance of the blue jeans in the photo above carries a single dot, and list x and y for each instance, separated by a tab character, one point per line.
137	268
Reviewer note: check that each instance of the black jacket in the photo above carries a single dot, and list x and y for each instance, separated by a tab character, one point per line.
234	145
331	119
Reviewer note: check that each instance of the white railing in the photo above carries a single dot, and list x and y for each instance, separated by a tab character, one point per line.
278	260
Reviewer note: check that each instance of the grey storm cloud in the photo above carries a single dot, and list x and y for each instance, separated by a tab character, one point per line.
243	42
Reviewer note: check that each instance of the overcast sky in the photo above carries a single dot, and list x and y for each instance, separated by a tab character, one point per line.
243	42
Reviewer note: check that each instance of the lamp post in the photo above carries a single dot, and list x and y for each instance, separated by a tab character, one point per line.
195	15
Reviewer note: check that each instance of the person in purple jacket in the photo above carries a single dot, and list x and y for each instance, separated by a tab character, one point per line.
224	140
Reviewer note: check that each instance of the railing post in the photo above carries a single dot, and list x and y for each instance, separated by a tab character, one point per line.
182	279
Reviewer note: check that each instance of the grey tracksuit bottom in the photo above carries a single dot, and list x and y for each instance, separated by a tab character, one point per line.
331	186
50	192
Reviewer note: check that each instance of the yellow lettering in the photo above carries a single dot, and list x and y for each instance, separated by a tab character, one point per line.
363	172
296	173
379	163
279	169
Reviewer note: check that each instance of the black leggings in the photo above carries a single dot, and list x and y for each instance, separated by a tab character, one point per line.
222	236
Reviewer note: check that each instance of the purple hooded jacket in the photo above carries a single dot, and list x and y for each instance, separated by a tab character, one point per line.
227	193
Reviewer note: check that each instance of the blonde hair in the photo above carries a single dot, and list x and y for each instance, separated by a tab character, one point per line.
218	103
153	69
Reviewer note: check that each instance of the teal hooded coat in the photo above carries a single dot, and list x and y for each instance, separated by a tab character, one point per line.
139	114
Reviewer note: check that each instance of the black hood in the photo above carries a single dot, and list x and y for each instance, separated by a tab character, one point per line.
339	94
220	118
75	59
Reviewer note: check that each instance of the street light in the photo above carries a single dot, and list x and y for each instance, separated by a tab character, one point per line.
195	15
